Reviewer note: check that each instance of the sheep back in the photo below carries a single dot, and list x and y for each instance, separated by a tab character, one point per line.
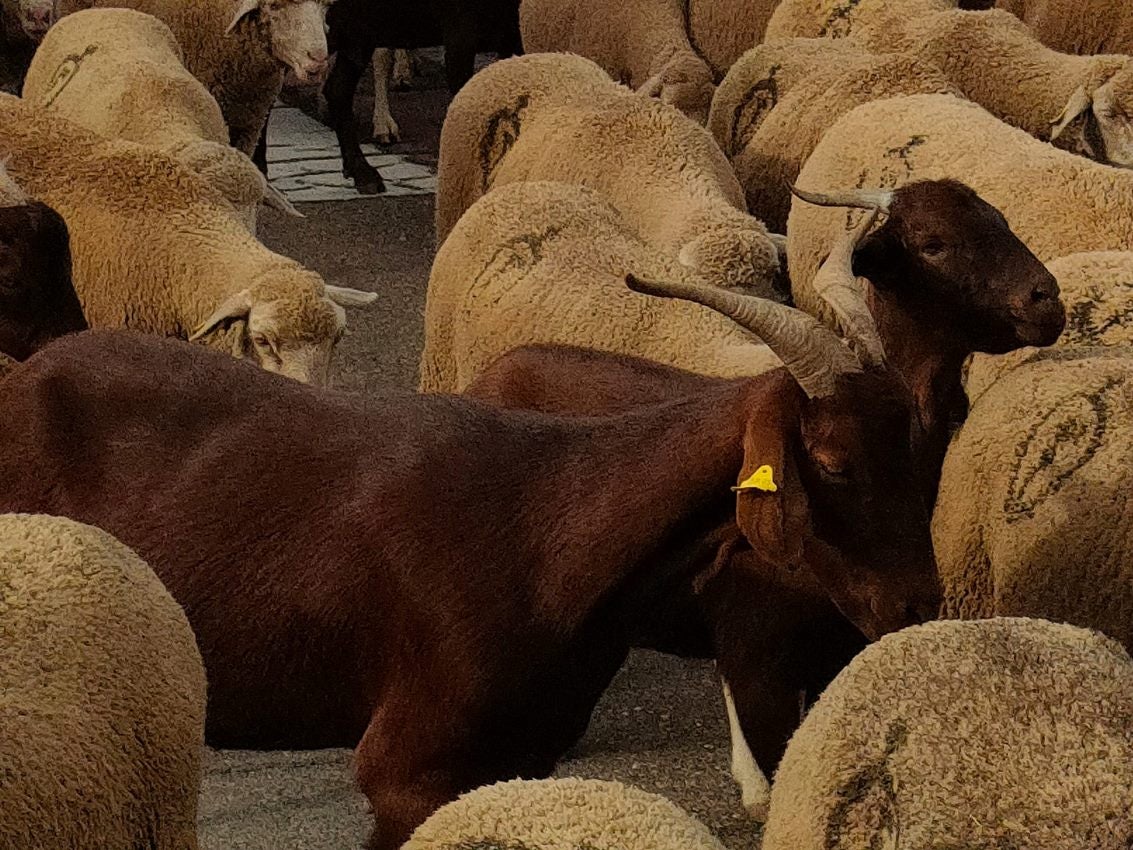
1078	26
542	262
562	814
1032	517
997	733
839	18
789	103
103	695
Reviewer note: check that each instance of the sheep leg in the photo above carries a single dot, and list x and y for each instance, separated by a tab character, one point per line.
260	156
385	128
341	86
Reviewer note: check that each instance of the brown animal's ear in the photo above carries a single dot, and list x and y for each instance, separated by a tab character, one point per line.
771	504
1079	103
243	8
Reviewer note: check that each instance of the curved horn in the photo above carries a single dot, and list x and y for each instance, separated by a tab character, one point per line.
812	352
836	284
865	198
276	200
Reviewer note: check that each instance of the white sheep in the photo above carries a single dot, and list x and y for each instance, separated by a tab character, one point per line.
118	72
997	733
560	117
240	50
642	43
157	249
1056	202
103	705
1082	103
1078	26
779	99
839	18
539	262
1032	517
562	814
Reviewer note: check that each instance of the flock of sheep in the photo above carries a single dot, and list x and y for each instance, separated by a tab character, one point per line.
788	334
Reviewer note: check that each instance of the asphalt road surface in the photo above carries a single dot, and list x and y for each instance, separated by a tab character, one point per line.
660	726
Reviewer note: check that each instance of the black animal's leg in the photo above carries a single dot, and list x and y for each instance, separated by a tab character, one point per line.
460	60
341	86
260	157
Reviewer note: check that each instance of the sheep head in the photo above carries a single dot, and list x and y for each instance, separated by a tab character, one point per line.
949	259
828	480
298	31
1105	102
289	324
34	17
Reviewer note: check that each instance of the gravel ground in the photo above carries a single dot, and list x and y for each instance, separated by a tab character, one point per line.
661	725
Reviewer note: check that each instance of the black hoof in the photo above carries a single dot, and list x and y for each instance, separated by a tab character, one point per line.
366	181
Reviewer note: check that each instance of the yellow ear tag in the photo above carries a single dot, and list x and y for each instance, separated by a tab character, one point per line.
761	479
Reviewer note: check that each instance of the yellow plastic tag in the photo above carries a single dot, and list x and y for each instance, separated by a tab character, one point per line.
761	479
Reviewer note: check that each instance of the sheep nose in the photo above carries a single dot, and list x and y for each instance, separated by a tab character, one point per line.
40	16
319	56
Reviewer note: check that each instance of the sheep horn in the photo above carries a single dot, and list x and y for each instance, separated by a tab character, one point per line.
278	201
865	198
813	353
836	284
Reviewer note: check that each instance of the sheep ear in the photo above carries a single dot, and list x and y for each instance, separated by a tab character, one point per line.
653	86
1079	103
344	296
245	8
237	306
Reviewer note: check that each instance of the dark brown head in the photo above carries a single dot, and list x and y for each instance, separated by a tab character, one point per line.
950	260
37	298
828	481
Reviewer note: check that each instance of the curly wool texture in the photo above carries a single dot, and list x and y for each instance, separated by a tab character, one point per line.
995	61
1005	733
638	42
560	117
102	695
839	18
540	262
778	101
1033	513
155	248
1078	26
561	814
1056	202
237	68
118	73
1097	289
723	30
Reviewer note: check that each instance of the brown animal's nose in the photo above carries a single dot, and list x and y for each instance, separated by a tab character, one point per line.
40	16
319	55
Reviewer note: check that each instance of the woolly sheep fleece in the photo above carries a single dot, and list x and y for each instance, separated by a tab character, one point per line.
535	263
102	695
1032	515
119	73
1078	26
562	814
778	101
723	30
997	734
558	117
838	18
642	43
1056	202
1097	289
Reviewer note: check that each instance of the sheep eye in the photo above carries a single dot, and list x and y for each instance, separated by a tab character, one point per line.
933	248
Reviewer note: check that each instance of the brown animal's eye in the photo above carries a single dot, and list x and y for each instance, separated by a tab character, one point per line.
832	470
933	248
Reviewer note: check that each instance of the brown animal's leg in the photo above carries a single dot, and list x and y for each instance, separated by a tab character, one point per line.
341	86
405	767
